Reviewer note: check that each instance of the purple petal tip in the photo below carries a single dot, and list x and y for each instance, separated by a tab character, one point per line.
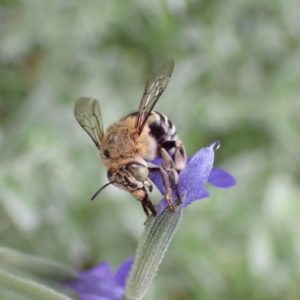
221	179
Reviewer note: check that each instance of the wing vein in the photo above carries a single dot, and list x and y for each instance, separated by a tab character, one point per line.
88	115
155	86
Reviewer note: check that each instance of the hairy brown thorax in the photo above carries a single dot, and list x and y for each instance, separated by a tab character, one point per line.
121	145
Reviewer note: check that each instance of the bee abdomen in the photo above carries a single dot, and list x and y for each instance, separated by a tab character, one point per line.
161	128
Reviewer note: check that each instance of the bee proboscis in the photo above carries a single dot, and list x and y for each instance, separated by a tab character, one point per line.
129	145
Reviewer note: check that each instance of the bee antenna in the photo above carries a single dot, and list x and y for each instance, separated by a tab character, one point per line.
101	189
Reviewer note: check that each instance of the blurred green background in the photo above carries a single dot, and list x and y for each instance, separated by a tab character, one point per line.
236	79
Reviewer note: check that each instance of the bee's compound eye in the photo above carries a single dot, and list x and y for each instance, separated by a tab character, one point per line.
139	172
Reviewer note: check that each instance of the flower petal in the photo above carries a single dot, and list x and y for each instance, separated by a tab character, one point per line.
93	297
97	282
221	179
123	271
156	178
102	270
194	177
203	194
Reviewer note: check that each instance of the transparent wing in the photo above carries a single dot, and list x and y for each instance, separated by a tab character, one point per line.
155	85
88	114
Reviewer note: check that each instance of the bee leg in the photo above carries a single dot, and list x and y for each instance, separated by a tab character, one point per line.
148	210
166	182
172	173
179	155
148	205
148	185
141	195
169	176
145	209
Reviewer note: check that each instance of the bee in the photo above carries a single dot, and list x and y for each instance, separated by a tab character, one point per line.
129	145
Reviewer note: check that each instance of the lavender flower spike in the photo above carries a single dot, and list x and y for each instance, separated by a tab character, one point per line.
160	230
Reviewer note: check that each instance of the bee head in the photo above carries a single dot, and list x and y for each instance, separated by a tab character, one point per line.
133	173
129	177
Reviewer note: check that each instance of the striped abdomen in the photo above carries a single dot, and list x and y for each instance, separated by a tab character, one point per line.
163	130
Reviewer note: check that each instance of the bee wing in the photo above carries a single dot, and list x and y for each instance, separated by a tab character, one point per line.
88	114
155	85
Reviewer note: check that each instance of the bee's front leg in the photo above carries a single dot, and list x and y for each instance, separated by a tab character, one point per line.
167	183
169	176
148	205
148	185
141	195
172	174
180	157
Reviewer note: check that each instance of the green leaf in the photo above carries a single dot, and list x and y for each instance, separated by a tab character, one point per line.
28	288
36	266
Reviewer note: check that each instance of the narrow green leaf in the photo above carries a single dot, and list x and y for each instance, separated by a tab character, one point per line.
36	266
28	288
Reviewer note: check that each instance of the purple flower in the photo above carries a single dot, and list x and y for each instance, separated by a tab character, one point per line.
100	283
198	171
